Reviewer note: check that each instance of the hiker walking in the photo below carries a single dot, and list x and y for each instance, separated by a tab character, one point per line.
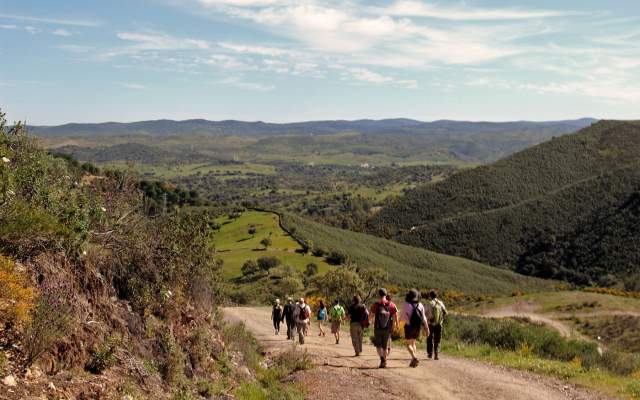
389	299
287	315
359	320
301	316
276	316
413	313
322	317
386	317
337	314
435	312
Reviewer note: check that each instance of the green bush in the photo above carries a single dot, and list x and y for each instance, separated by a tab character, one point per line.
104	356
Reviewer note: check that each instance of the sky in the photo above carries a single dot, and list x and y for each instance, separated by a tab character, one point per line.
295	60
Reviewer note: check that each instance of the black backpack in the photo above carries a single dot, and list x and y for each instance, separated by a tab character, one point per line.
415	321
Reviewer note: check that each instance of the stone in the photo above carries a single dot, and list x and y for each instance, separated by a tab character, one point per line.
10	381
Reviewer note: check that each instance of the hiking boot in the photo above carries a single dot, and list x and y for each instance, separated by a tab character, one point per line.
429	355
383	363
436	357
414	363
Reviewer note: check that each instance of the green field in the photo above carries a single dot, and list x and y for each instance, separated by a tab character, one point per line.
234	244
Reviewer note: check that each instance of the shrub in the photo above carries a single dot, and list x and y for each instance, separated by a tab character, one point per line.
250	268
172	364
50	320
104	356
336	258
16	294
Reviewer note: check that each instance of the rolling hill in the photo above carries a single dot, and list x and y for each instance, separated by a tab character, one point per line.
567	208
371	141
410	266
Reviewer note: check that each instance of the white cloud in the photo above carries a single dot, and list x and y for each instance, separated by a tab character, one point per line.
133	86
244	85
412	8
254	49
161	41
75	48
62	32
31	29
8	26
54	21
369	76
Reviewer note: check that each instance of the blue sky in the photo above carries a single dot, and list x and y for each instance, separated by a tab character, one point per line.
292	60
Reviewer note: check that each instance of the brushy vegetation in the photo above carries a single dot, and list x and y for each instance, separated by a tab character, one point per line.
547	211
528	338
409	266
92	268
267	384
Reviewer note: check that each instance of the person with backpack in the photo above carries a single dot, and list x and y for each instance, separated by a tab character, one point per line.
337	314
322	317
385	316
287	315
413	313
435	312
276	315
359	321
301	316
389	299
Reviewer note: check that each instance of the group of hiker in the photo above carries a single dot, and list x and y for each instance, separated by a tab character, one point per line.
383	314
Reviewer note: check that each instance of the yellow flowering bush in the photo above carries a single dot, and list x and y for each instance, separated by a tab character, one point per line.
16	294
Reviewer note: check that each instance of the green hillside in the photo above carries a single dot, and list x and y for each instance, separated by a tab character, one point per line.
235	245
409	266
565	209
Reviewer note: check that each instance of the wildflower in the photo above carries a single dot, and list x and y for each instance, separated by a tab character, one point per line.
5	160
84	252
103	209
11	193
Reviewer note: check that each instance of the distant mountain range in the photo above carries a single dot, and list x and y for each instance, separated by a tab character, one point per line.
567	209
166	127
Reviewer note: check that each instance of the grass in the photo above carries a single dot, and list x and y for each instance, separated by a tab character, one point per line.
235	245
572	371
410	266
561	304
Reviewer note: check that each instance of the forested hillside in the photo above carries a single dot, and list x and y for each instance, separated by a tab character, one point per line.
564	209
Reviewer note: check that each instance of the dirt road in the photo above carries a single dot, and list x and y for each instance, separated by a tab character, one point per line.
449	378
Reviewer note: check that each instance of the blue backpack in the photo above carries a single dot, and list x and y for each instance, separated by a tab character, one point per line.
322	314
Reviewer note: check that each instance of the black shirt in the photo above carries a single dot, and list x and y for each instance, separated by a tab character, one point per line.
288	311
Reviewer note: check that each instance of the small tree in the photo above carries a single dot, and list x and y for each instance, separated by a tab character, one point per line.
372	278
342	284
311	270
250	268
252	230
266	242
266	263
